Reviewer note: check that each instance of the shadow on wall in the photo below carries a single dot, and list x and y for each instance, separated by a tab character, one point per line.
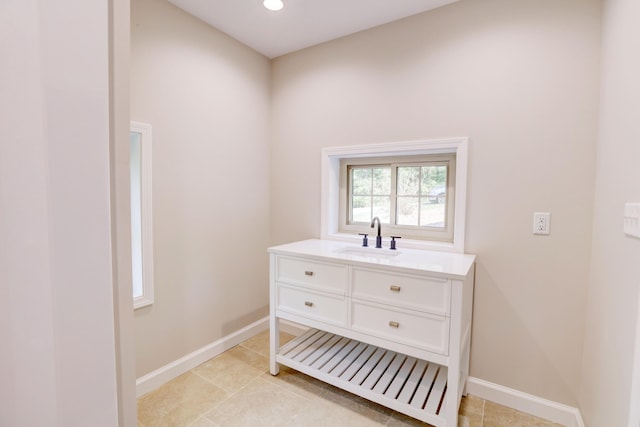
497	329
234	325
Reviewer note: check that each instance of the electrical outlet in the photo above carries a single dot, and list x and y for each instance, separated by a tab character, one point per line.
541	223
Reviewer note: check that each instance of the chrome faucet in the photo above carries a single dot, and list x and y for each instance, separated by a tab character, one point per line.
378	237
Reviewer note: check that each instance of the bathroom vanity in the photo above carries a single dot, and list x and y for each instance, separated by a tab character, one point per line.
391	326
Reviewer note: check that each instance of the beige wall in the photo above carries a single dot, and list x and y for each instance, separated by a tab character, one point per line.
520	79
613	290
207	98
57	359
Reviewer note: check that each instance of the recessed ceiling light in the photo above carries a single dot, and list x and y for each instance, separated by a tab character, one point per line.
273	4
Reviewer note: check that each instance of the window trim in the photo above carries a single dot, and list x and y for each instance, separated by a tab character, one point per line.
145	131
330	186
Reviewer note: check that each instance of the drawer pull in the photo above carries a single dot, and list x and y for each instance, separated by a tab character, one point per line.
308	303
394	288
308	273
394	324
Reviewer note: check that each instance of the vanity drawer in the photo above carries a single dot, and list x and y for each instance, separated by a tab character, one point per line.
424	331
312	274
427	294
328	308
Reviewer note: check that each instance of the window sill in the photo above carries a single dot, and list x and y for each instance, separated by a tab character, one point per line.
141	302
404	243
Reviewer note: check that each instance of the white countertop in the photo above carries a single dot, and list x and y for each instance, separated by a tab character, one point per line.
444	264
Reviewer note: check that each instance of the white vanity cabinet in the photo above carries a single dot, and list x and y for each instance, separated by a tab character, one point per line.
391	326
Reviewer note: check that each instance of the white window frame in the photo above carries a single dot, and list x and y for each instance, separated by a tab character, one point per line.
147	296
441	234
330	186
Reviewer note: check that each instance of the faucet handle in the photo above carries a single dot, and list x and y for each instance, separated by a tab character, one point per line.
365	241
393	242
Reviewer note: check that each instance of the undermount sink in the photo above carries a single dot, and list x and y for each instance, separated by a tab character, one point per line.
368	252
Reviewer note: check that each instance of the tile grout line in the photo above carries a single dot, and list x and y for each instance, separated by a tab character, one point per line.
390	418
267	356
267	372
275	383
246	386
253	351
196	420
211	382
229	393
212	423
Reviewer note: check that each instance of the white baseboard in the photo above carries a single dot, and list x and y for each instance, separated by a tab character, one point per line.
155	379
523	402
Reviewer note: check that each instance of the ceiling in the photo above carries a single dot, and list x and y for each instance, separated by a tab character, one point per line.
302	23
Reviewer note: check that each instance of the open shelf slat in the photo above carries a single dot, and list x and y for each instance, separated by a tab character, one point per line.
408	385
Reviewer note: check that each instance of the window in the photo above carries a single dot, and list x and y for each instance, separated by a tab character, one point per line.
141	215
408	194
416	188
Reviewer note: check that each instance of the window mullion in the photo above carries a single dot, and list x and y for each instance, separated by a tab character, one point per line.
420	197
371	195
393	195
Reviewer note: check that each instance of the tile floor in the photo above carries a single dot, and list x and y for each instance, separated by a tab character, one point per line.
236	389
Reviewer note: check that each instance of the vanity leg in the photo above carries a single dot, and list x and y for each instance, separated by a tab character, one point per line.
274	322
274	344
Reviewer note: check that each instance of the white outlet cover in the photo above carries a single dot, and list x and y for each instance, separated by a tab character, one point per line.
632	219
541	223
